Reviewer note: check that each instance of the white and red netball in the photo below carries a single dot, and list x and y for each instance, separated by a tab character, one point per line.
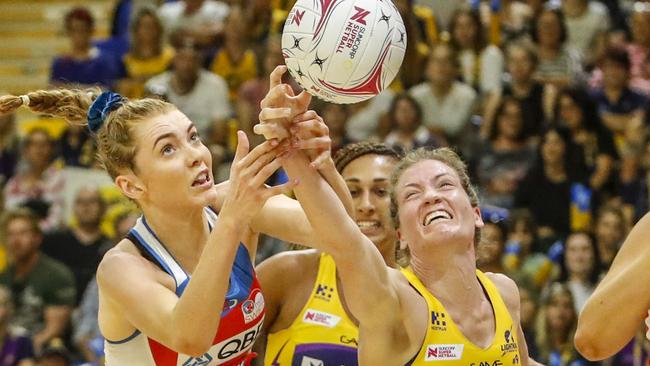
344	51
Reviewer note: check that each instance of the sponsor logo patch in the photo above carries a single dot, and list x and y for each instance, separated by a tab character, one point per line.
320	318
253	308
444	352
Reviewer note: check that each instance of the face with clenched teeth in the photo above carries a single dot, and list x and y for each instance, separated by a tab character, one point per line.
368	179
433	206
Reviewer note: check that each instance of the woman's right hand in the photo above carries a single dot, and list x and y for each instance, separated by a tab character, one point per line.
247	192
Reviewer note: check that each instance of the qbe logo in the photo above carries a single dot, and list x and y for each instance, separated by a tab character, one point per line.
444	352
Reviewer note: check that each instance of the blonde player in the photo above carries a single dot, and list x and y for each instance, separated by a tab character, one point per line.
181	289
440	308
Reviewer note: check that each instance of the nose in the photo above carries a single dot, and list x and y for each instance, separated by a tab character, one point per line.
194	155
431	196
365	205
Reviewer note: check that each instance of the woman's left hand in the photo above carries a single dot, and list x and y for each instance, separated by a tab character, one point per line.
279	107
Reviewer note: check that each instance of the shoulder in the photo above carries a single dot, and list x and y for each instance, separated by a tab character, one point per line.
170	9
406	293
420	90
123	263
218	8
463	90
212	79
597	9
492	52
159	79
507	289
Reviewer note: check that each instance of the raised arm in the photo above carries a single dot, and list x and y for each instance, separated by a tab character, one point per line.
281	216
188	324
622	288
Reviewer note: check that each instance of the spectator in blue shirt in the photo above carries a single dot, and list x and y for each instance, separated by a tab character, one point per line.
83	65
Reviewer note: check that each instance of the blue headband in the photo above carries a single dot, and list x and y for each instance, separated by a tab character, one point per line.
101	107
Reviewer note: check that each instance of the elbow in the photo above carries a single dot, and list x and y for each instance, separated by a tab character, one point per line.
587	345
192	346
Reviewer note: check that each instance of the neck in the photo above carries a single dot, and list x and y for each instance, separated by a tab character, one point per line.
81	52
505	143
495	267
192	7
574	8
36	171
146	50
555	171
183	232
559	338
450	275
579	277
387	250
549	51
407	133
613	93
87	234
184	86
24	267
234	47
607	253
522	87
442	88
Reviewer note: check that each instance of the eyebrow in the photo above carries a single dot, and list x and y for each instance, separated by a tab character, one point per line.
357	180
169	134
417	185
440	175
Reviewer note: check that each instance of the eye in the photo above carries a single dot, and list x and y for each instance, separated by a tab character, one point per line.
354	192
445	183
408	195
168	150
195	136
381	192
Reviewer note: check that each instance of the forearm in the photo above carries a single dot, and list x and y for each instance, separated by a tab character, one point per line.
56	321
336	181
368	293
595	338
193	318
321	205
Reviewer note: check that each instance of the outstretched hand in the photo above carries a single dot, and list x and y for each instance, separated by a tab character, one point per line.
285	116
247	191
279	107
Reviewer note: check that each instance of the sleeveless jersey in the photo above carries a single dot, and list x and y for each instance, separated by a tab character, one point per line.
241	317
322	334
445	342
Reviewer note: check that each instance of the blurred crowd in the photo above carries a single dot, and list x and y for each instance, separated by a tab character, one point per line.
546	100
